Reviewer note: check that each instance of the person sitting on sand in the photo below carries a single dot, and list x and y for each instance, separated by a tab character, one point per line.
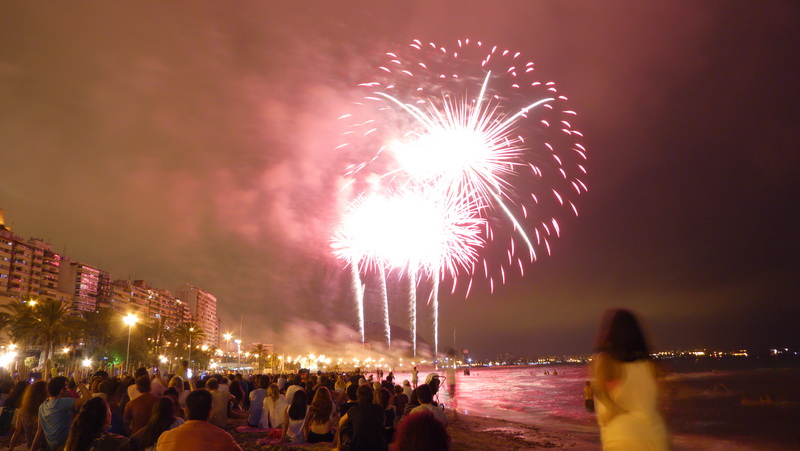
421	431
400	401
257	402
197	433
161	419
352	389
274	406
294	418
407	388
220	406
367	420
319	427
425	396
88	430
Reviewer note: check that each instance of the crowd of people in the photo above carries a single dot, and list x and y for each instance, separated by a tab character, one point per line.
146	411
346	411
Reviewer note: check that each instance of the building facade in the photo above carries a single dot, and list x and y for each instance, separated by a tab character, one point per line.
31	268
202	307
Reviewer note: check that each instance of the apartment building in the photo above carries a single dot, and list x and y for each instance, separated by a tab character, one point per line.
81	281
202	306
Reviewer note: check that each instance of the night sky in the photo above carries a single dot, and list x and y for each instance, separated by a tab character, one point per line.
193	142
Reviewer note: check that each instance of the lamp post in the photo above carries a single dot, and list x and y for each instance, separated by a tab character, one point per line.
239	351
130	320
227	336
191	330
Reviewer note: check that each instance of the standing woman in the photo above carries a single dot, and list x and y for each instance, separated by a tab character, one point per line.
625	387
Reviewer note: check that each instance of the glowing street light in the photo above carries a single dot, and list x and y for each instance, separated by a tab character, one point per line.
130	320
227	336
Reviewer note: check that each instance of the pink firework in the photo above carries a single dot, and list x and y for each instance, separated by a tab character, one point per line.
473	121
409	230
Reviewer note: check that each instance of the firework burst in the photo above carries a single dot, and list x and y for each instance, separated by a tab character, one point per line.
474	125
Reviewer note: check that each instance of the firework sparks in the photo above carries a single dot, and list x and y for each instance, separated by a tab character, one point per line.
476	127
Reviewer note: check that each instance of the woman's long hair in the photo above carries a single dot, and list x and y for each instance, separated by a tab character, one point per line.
321	406
236	390
622	337
297	410
88	425
161	419
273	391
14	400
33	397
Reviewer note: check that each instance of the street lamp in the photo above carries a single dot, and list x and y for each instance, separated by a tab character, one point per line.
191	329
227	336
130	320
239	351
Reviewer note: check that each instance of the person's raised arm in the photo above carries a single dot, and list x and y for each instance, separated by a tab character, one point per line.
85	393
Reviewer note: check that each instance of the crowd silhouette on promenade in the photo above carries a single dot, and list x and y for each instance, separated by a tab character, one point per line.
145	411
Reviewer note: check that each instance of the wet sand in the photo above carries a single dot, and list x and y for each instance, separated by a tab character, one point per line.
469	432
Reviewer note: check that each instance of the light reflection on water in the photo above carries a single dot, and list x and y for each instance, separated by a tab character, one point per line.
521	394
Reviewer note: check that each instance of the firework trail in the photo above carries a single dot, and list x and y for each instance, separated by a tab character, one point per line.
435	296
385	297
358	290
407	231
476	124
412	309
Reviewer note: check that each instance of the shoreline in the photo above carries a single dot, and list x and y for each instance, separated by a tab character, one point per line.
468	432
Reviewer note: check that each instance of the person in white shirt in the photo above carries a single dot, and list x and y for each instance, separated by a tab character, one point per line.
273	410
257	402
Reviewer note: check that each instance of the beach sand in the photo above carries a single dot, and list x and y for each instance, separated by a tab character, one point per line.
469	432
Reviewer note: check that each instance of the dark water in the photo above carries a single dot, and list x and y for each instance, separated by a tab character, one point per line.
752	403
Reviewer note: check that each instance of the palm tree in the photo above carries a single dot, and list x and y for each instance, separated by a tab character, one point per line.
274	361
98	333
47	322
260	351
188	334
13	321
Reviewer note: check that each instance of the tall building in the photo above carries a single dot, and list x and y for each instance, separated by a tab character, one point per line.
32	268
51	266
202	307
81	281
27	268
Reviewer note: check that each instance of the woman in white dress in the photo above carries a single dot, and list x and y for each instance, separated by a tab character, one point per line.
625	387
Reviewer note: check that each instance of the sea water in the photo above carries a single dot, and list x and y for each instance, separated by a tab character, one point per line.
749	402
